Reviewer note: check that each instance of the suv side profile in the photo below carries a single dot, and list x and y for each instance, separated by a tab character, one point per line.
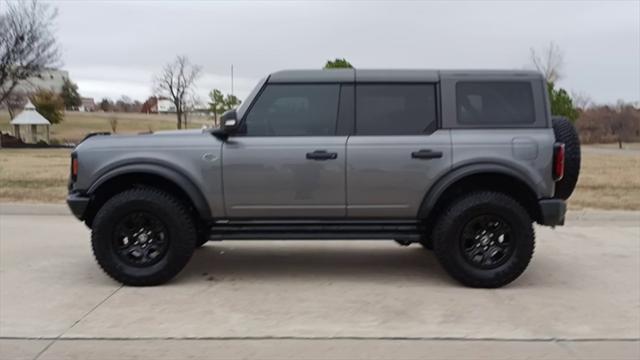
462	162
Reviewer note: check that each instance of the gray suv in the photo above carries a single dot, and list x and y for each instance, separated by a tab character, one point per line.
462	162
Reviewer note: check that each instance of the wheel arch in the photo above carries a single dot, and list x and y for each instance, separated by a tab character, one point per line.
127	176
480	176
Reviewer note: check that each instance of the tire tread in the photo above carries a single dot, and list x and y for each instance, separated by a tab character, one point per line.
183	248
447	224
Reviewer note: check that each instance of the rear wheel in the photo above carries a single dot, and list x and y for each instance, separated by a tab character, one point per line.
484	239
143	237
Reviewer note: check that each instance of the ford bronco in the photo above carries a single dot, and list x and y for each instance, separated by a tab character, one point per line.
461	162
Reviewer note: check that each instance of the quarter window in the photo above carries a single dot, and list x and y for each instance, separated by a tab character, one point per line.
294	110
395	109
494	103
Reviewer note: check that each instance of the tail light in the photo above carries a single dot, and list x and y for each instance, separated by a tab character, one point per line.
558	161
74	166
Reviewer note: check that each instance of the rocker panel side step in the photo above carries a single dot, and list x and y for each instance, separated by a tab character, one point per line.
308	231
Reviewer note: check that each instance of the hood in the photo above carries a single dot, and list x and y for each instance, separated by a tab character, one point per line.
175	132
162	139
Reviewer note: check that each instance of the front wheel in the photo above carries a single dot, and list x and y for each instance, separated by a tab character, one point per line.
143	237
484	239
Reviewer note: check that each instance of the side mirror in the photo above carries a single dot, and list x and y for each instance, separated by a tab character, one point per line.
229	121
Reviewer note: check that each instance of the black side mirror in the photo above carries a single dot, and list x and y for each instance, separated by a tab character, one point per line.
229	121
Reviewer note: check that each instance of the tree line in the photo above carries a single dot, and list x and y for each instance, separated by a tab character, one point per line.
28	47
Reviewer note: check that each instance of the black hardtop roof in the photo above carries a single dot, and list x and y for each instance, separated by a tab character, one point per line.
391	75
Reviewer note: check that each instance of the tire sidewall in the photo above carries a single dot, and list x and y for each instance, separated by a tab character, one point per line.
449	249
118	208
566	133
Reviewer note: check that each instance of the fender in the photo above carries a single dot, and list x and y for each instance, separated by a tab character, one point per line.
151	167
456	174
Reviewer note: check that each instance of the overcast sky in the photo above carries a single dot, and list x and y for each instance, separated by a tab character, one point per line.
114	48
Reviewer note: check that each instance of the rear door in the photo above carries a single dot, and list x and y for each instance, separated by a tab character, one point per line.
397	151
287	161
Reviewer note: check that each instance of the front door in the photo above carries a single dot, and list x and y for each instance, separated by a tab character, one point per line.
397	151
286	161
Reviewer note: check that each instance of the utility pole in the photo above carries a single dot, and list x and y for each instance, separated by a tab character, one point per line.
231	79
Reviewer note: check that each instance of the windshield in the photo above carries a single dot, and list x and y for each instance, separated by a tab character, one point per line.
247	101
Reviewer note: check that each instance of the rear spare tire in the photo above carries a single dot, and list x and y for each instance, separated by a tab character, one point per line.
567	134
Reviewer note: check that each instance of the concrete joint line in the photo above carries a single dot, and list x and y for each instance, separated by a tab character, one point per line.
318	338
54	339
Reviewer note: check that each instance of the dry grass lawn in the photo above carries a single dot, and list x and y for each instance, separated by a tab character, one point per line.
77	124
607	181
34	175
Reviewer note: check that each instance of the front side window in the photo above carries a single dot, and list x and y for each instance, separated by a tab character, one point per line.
494	103
294	110
395	109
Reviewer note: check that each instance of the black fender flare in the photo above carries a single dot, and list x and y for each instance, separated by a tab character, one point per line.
443	183
162	170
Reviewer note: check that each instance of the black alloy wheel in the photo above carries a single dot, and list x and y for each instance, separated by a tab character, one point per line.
140	239
487	241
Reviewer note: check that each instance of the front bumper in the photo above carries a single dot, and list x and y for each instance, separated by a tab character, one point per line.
78	204
552	211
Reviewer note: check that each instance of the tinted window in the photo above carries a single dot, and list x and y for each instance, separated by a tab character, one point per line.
497	103
395	109
294	110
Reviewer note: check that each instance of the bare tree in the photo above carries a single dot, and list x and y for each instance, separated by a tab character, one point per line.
191	104
27	42
581	100
176	82
550	62
610	123
113	123
622	123
14	102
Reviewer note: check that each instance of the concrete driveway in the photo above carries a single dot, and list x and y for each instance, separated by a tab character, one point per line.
580	298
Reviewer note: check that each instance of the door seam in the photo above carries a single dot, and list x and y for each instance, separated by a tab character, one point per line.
346	167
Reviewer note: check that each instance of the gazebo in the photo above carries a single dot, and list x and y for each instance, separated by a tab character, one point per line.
29	126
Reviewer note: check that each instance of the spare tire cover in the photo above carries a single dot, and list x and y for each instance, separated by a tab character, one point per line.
566	133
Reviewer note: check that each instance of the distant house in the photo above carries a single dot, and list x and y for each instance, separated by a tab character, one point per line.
158	105
166	106
87	105
49	79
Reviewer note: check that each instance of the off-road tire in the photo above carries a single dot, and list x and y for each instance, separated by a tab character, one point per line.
427	244
170	212
566	133
202	239
448	232
202	234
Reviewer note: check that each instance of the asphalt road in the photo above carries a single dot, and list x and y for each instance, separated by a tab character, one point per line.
580	298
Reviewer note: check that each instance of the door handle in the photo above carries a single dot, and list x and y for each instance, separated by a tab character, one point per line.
426	154
322	155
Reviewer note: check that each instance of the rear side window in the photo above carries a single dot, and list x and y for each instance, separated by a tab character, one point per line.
294	110
494	103
395	109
